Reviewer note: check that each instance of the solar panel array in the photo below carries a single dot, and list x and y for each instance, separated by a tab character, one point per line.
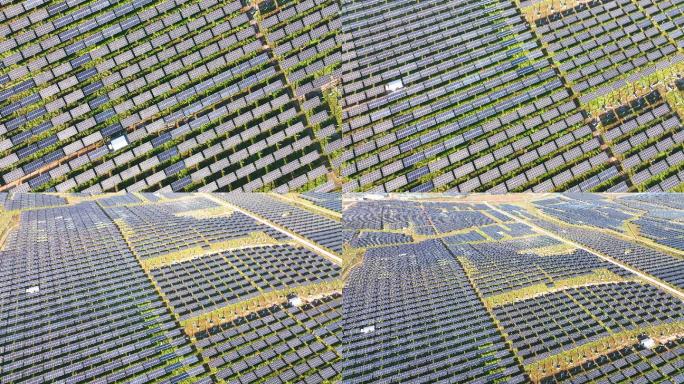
647	134
654	262
369	239
18	201
498	96
153	231
318	95
410	314
599	214
601	41
656	217
546	309
451	289
182	95
499	267
97	288
327	200
317	228
279	344
116	200
210	282
634	362
574	317
77	307
662	201
668	14
428	218
662	231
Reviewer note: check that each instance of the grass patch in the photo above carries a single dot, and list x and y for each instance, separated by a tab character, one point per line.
207	213
597	276
641	87
232	311
550	250
253	239
590	351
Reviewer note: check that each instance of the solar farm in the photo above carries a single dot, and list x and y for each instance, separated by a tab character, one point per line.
352	191
169	288
169	95
513	95
352	95
516	288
